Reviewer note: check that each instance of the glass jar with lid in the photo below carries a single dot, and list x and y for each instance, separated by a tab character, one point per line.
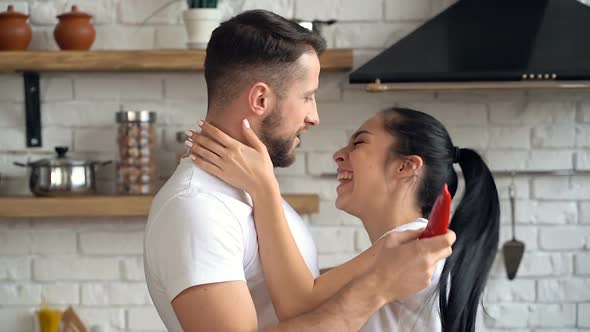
136	170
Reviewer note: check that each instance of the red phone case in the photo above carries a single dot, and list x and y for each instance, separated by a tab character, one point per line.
438	222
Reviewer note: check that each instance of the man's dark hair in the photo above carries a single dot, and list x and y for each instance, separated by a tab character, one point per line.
255	46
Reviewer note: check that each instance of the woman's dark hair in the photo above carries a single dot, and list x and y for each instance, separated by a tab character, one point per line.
476	218
255	46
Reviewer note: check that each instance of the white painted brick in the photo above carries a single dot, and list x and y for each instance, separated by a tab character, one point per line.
53	242
43	39
106	243
146	319
510	138
321	163
563	238
44	13
115	294
75	268
360	57
333	260
114	37
359	97
396	10
137	11
279	7
582	263
56	88
303	185
584	115
99	86
540	212
103	140
535	160
362	241
334	240
439	6
15	268
109	319
20	294
564	290
535	264
341	10
507	315
331	87
481	96
17	319
554	136
454	114
14	242
575	187
498	290
534	113
330	215
350	115
171	37
103	12
521	184
557	94
79	114
13	115
182	113
583	136
11	87
527	234
55	136
19	6
584	213
189	86
557	315
328	140
354	35
296	169
582	161
471	137
61	294
133	269
584	314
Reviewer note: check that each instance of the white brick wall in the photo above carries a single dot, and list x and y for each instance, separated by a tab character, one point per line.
96	264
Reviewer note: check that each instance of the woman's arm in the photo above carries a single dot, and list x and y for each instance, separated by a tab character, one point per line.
292	286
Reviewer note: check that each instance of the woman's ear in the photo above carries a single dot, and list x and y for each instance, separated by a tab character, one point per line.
259	98
410	166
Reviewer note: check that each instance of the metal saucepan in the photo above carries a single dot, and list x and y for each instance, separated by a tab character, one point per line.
62	176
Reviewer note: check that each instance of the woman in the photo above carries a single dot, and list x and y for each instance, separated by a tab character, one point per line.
390	174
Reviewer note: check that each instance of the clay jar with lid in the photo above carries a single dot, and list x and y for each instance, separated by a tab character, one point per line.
15	30
74	31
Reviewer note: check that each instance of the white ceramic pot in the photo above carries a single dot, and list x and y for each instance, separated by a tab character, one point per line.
199	24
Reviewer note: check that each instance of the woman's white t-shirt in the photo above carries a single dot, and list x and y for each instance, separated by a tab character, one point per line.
419	312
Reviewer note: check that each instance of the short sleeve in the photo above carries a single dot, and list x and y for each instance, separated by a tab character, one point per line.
195	240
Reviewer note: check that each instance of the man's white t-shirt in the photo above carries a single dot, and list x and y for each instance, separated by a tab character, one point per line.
419	312
200	230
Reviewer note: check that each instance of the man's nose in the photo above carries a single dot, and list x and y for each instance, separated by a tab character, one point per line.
313	118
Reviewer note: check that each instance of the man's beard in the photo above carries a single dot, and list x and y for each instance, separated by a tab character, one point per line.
280	149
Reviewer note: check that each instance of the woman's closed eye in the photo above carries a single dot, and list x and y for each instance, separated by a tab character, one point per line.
357	143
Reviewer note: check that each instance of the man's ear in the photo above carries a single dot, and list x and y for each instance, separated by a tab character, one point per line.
259	98
409	166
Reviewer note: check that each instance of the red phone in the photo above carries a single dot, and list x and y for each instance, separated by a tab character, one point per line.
438	222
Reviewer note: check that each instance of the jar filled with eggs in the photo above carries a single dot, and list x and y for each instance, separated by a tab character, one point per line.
136	169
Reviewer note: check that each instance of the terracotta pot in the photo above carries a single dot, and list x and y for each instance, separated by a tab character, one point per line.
74	31
15	31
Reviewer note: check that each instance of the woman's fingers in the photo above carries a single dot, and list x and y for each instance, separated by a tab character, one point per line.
206	165
251	136
206	154
198	139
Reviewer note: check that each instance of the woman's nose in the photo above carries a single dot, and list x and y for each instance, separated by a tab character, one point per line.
339	156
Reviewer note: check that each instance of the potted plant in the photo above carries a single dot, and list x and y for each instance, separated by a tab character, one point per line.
200	19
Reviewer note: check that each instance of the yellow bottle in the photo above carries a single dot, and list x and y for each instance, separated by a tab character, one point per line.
49	319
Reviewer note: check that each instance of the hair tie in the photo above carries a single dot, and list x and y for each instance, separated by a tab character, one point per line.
457	155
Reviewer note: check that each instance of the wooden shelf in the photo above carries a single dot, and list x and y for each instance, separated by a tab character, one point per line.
134	61
110	206
445	86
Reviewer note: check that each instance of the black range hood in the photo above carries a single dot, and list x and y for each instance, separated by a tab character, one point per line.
490	40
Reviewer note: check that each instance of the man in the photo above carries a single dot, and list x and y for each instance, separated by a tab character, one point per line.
201	253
